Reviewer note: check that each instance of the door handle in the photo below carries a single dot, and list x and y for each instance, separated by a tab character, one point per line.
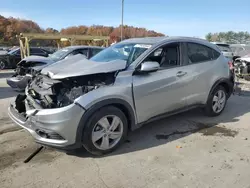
180	73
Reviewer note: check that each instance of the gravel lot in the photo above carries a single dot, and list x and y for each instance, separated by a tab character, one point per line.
186	150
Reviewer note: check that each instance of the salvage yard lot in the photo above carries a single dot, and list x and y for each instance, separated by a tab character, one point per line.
186	150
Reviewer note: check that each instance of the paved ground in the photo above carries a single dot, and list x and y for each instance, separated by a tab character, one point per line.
186	150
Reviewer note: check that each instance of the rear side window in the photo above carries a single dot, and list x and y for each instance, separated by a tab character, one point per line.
199	53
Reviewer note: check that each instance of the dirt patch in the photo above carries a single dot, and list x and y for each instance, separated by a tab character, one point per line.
6	120
208	129
16	157
8	126
10	129
218	131
166	136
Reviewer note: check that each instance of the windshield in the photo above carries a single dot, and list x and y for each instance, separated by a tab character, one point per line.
13	51
225	48
60	54
125	51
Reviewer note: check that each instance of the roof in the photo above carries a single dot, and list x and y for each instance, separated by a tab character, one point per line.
146	40
158	40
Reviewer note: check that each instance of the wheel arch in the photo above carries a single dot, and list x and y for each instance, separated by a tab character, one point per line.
124	106
226	83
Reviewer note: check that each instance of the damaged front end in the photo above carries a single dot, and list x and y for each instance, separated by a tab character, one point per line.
242	67
46	93
48	111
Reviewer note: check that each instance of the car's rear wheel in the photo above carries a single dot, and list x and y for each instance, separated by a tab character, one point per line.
216	101
2	65
106	129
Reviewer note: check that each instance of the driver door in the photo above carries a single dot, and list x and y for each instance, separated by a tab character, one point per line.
162	91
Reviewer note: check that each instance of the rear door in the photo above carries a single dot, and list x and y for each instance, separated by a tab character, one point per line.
200	64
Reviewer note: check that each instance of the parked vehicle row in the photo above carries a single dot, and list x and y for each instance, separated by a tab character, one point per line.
32	65
12	57
95	103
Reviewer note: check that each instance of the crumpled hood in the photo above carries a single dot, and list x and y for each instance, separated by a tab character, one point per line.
77	66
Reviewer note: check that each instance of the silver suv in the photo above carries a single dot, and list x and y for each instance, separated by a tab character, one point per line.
95	103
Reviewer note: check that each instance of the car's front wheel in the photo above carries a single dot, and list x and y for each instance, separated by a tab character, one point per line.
216	101
106	129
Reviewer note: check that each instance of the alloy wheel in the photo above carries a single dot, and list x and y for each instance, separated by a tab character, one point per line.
219	101
107	132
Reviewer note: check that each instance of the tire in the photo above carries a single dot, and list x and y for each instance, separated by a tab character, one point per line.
93	127
209	110
2	65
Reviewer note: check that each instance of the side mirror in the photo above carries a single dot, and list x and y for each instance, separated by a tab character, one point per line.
149	66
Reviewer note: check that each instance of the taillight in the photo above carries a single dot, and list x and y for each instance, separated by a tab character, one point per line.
230	64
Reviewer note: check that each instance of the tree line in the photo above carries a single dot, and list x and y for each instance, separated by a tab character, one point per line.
230	37
10	27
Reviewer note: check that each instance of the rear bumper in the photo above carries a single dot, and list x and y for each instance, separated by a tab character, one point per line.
51	127
18	82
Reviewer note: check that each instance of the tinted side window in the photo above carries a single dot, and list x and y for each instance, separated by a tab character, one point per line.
81	51
36	51
199	53
95	51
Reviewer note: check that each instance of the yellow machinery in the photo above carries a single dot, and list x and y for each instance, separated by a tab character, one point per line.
25	38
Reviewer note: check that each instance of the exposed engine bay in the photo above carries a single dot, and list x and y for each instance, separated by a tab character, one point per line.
44	92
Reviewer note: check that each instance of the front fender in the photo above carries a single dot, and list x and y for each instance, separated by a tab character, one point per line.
119	92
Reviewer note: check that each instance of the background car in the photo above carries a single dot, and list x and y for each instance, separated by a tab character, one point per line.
11	58
240	50
31	65
225	49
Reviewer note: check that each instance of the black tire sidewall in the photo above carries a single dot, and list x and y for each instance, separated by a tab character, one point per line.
209	106
94	118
